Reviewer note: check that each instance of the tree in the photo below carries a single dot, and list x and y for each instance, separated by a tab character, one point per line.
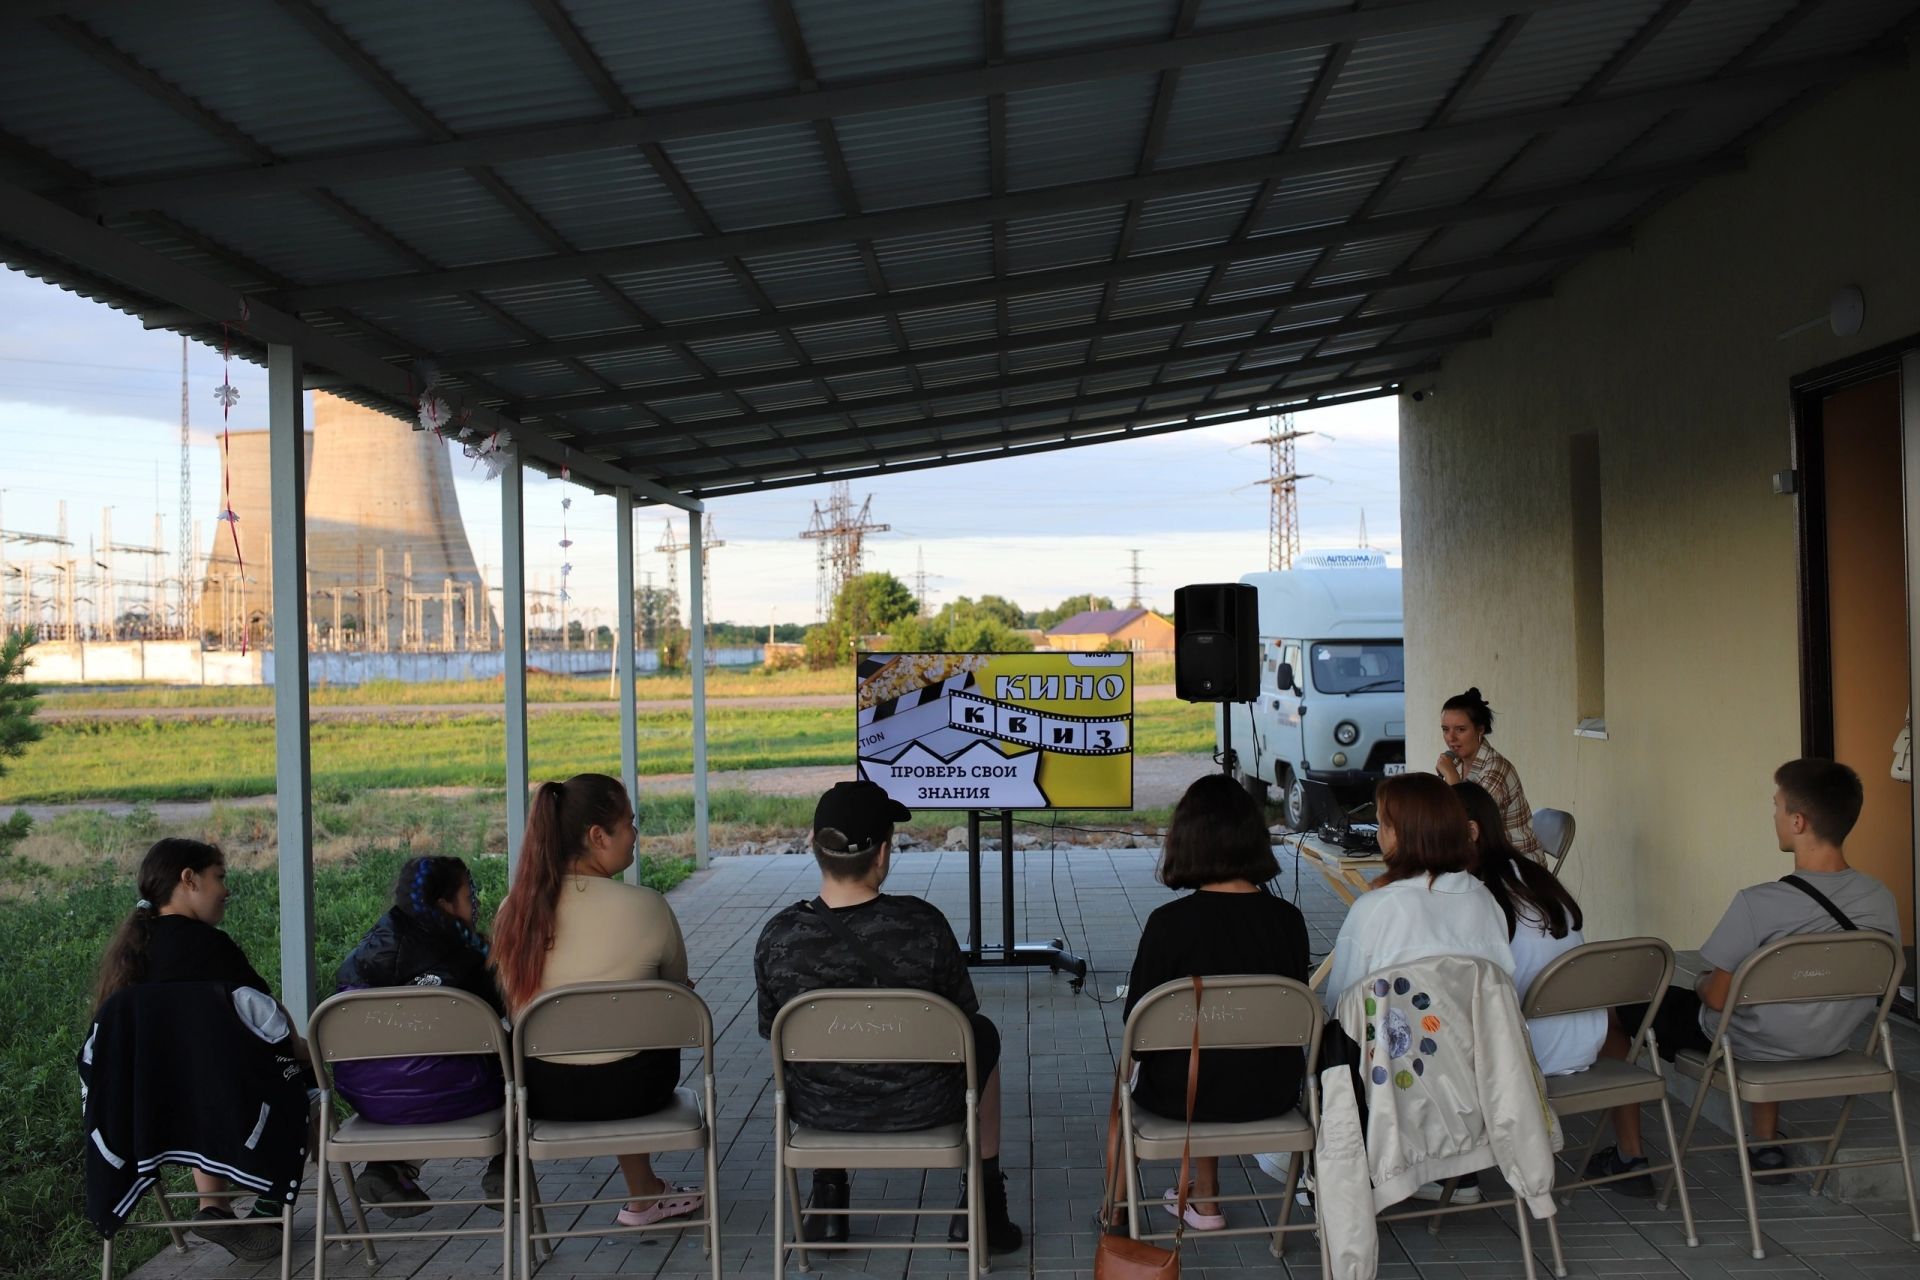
1009	614
1049	618
962	626
18	702
867	605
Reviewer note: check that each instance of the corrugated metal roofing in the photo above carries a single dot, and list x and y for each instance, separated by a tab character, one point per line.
600	217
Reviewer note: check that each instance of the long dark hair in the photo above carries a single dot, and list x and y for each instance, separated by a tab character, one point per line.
557	826
424	883
1217	833
125	962
1430	827
1519	884
1475	706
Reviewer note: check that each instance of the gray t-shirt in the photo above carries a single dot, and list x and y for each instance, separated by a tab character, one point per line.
1768	912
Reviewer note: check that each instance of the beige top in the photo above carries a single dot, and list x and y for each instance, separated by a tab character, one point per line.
611	931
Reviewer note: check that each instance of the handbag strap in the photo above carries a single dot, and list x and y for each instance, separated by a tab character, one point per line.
1839	916
1111	1192
877	969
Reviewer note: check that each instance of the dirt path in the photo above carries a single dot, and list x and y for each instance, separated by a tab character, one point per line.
432	710
1157	781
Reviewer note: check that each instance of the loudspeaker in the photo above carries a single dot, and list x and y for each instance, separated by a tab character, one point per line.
1216	642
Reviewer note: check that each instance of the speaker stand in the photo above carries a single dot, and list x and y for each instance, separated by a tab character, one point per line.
1227	761
1007	952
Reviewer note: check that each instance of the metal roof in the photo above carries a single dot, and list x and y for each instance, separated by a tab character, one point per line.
1097	622
723	245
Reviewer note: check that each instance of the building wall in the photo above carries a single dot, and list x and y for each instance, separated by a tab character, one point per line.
1148	631
1670	353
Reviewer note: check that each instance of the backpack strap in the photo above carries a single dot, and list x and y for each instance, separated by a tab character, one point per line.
1839	916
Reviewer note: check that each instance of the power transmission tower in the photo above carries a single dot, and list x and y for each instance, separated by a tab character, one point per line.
671	547
1283	515
920	579
707	544
184	549
840	532
1133	576
1363	528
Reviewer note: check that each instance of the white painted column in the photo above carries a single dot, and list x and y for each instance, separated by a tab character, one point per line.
697	659
623	632
293	767
513	638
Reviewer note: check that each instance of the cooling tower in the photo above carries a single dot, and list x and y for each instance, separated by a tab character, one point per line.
249	593
380	503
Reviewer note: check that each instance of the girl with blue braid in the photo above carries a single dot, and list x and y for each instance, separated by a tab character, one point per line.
429	937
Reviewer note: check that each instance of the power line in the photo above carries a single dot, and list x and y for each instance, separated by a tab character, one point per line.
840	533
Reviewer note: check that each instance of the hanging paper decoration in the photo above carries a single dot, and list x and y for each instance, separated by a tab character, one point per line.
566	505
226	393
233	524
491	452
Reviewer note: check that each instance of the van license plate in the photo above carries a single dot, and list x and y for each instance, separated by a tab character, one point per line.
1391	769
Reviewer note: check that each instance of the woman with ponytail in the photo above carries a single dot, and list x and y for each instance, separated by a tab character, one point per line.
429	937
173	934
1543	921
568	919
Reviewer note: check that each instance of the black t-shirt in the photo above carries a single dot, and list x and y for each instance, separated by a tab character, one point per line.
1209	933
798	952
182	949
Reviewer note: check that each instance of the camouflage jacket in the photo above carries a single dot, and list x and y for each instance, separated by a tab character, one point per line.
798	953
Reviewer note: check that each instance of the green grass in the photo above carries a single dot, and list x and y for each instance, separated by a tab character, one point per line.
752	682
209	759
54	921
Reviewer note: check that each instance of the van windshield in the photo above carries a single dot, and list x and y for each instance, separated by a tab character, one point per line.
1358	666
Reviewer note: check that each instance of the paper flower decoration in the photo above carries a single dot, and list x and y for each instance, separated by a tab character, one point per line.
228	395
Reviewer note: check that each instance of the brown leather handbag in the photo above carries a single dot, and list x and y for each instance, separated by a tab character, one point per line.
1120	1257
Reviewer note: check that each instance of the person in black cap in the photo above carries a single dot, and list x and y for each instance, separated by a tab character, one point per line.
852	935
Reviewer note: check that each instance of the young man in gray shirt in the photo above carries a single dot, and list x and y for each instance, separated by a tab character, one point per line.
1815	804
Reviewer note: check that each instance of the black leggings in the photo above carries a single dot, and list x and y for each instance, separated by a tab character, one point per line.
636	1085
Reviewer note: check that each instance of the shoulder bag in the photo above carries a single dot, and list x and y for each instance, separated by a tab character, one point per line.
1839	916
1120	1257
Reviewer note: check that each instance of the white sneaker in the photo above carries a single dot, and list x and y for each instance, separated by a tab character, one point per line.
1464	1194
1274	1165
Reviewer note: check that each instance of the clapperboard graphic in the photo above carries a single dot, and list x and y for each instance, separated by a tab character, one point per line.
937	738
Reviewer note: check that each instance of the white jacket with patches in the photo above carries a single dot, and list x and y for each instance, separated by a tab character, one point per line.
1451	1088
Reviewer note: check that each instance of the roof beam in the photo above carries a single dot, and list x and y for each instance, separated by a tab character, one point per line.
1066	435
990	289
47	228
1266	374
1255	310
1303	32
659	256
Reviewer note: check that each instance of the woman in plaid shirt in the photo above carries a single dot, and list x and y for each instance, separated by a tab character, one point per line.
1465	722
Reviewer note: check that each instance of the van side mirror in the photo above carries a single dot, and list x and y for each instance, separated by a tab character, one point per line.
1284	676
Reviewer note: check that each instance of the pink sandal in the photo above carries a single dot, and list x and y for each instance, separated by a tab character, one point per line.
1196	1220
674	1202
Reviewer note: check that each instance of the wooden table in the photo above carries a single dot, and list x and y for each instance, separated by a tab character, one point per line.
1348	876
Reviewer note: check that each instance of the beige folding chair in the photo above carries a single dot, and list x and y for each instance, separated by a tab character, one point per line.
174	1226
1553	828
1803	968
1239	1011
616	1017
407	1022
1607	975
857	1025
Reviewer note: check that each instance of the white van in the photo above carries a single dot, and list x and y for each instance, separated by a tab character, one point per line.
1332	704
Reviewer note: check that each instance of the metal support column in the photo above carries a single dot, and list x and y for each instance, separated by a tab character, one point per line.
697	659
513	623
623	630
293	768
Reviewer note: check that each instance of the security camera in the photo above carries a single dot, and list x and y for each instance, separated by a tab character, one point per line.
1424	394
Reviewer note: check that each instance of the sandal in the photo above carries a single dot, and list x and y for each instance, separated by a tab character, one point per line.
673	1202
1196	1220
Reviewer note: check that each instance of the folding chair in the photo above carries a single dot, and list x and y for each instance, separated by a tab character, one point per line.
176	1226
616	1017
1553	828
1607	975
1240	1011
867	1026
407	1022
1803	968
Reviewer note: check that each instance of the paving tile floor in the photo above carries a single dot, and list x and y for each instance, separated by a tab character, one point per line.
1058	1052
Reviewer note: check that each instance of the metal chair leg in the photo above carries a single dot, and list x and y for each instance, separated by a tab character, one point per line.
1279	1247
1553	1235
1900	1129
1446	1198
1526	1236
1686	1136
369	1255
799	1219
1833	1143
1746	1161
1678	1177
160	1194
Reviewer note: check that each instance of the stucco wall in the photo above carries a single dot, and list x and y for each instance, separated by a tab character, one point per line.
1669	351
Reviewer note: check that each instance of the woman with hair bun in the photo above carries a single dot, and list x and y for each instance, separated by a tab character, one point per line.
429	937
1466	721
569	919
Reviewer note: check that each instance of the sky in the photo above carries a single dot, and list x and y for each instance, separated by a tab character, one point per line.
90	413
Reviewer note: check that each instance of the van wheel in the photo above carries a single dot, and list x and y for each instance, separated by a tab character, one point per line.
1296	804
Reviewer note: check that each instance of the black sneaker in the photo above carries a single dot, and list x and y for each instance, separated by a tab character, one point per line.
827	1228
1608	1162
1765	1158
389	1184
1003	1234
493	1179
253	1242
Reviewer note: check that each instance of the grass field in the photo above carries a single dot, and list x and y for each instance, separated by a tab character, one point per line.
56	917
209	759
